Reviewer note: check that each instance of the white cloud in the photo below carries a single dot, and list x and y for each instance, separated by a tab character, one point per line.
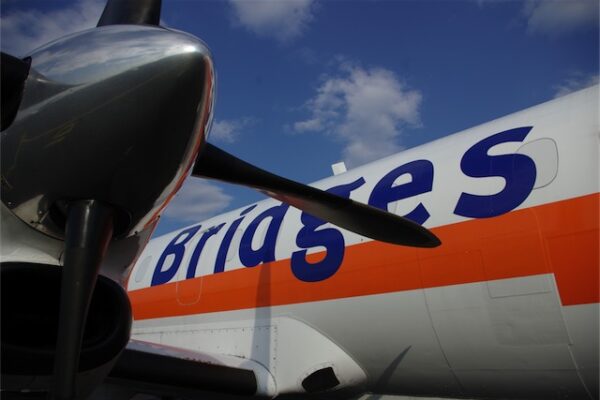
24	31
229	130
575	82
556	17
197	200
366	109
281	19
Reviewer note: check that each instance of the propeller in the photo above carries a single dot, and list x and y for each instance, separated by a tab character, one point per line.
115	149
88	232
363	219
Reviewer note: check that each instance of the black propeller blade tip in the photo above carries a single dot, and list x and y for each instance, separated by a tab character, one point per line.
131	12
14	72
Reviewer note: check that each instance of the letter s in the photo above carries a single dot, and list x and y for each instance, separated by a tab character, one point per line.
518	170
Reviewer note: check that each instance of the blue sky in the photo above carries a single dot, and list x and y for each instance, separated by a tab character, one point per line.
303	84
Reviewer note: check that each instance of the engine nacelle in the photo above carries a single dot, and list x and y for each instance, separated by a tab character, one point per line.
30	306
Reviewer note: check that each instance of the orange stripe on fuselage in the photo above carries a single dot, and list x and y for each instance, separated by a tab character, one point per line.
560	238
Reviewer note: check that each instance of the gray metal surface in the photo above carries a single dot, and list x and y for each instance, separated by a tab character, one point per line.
117	114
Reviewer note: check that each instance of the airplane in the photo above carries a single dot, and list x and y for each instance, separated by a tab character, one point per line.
492	293
99	131
506	307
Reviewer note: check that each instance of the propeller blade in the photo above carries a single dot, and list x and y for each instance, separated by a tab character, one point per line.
131	12
88	233
214	163
13	73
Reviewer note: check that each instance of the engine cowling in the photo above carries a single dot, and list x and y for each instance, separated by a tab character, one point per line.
30	307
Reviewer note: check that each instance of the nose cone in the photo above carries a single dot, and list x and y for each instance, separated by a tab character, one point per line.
115	114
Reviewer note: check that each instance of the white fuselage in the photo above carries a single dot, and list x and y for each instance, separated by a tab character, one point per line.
506	307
